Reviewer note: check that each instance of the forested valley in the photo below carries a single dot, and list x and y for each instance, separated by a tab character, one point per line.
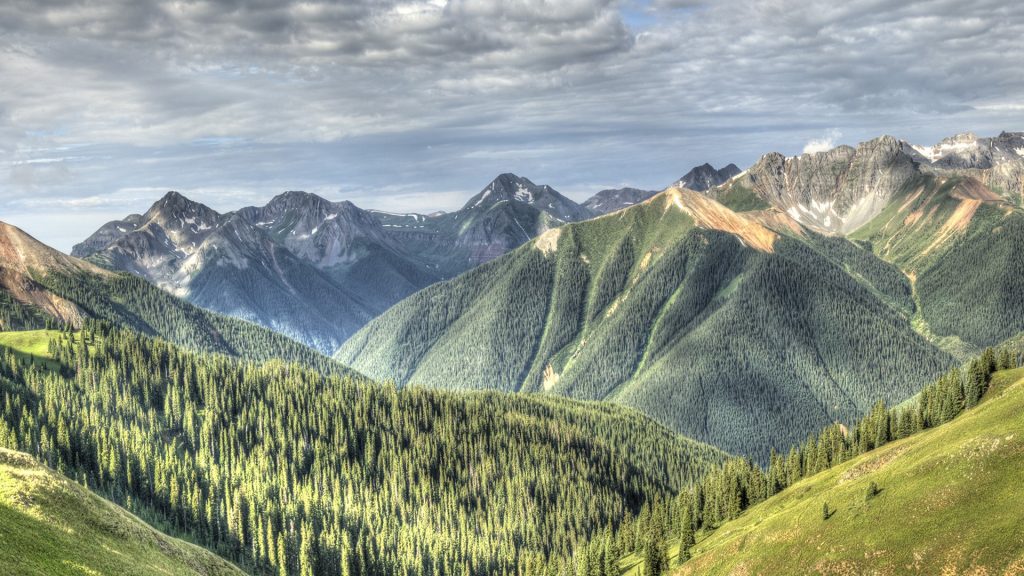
285	471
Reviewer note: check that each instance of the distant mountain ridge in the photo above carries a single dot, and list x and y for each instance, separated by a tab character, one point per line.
41	287
607	201
704	177
317	270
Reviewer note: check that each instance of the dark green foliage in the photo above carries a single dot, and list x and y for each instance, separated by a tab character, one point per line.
872	491
826	513
973	290
744	349
16	316
130	301
655	556
286	471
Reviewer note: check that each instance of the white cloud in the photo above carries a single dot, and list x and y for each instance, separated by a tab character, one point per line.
822	144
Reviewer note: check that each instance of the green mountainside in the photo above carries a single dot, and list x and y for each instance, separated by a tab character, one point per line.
50	525
943	501
959	243
747	330
285	471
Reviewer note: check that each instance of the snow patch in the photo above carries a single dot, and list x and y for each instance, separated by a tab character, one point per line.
487	192
523	194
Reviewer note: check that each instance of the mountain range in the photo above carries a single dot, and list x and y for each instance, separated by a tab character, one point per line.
707	370
812	282
317	270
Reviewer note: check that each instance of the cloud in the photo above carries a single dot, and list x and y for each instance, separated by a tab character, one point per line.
822	144
399	101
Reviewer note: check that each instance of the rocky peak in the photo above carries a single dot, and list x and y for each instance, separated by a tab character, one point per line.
837	190
511	188
704	177
176	212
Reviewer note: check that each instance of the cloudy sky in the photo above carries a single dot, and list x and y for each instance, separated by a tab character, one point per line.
107	104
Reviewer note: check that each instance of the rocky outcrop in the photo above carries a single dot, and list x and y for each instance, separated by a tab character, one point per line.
835	191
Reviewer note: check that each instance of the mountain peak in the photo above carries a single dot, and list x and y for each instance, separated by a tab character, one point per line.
508	187
297	196
704	177
176	206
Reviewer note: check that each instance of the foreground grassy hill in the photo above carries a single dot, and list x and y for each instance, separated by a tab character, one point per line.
948	503
50	525
742	330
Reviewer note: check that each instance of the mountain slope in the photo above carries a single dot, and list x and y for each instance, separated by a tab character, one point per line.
743	330
948	503
50	525
284	470
956	240
41	287
608	201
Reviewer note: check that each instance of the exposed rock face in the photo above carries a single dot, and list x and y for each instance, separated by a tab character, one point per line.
21	258
834	191
608	201
706	176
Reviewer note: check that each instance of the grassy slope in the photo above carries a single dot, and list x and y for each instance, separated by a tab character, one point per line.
31	345
949	503
50	525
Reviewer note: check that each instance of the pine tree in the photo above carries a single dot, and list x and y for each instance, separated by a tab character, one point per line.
686	537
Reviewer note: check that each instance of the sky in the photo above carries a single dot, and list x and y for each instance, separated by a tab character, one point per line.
416	105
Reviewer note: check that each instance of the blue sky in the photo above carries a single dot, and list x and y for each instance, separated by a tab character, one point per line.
415	106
